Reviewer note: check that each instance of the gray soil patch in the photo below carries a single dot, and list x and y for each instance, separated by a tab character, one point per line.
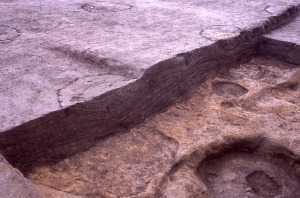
262	184
102	7
226	104
228	89
251	169
42	25
8	34
273	9
217	32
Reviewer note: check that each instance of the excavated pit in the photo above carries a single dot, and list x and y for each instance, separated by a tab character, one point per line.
157	158
83	118
228	89
251	169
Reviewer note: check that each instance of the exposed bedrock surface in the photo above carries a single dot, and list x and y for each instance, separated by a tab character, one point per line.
75	128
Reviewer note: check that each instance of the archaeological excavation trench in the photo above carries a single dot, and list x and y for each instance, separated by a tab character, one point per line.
222	120
227	138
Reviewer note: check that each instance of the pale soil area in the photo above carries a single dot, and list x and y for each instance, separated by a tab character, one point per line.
72	51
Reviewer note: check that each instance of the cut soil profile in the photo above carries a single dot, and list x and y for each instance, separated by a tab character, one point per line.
164	98
196	147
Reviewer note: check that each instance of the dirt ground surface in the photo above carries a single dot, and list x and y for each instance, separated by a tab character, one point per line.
138	98
233	137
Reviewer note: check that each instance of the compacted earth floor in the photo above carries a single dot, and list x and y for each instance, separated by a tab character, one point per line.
237	135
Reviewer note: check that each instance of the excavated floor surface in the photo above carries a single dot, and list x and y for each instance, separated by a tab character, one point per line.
76	75
237	135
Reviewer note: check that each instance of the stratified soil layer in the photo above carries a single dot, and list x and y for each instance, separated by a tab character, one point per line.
149	98
67	83
233	137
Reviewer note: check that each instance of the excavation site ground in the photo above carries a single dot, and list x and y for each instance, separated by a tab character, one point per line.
141	98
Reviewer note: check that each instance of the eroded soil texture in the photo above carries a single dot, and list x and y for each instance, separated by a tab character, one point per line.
237	135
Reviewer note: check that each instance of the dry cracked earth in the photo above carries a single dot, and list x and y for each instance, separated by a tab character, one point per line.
232	137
